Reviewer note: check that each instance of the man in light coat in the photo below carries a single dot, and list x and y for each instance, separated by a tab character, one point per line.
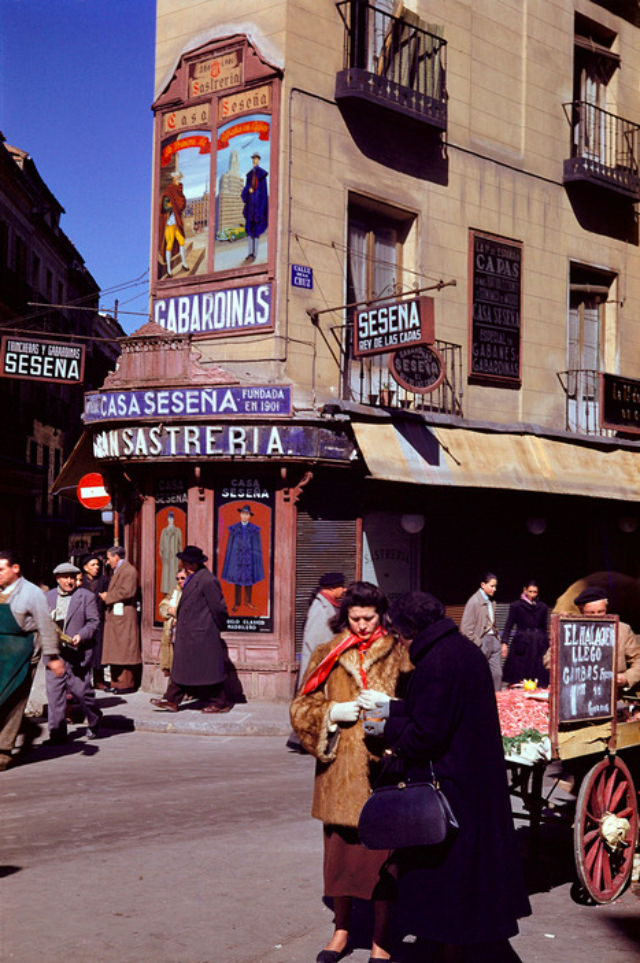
26	631
121	644
325	604
75	613
479	624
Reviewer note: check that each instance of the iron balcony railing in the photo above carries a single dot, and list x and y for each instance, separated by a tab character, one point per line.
391	61
368	380
581	388
604	148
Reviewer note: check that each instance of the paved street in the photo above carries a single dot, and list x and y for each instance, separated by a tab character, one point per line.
165	847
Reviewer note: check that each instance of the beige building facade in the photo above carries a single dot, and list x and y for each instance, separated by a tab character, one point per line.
410	324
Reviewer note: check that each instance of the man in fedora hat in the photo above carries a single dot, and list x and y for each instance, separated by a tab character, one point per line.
198	648
243	558
75	613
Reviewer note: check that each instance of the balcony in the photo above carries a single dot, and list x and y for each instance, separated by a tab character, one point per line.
604	149
392	64
581	387
368	380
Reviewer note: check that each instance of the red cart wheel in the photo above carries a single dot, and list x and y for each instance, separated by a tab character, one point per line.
605	832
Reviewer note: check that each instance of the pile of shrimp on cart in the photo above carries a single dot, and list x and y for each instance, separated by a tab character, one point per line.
583	715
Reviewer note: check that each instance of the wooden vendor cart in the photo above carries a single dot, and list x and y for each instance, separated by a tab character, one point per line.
587	717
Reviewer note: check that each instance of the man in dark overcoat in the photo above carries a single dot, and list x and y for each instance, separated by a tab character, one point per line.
198	650
470	890
75	612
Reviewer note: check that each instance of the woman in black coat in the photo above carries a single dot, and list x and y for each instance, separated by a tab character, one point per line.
527	620
470	890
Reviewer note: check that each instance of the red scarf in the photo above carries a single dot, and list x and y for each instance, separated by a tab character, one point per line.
322	670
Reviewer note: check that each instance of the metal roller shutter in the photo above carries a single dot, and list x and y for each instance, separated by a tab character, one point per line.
322	545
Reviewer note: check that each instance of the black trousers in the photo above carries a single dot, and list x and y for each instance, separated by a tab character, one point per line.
213	694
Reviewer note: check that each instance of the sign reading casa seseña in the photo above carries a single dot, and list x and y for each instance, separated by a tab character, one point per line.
268	400
385	327
228	311
206	440
42	360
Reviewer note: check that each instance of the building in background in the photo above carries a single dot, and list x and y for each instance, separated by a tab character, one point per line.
40	265
404	343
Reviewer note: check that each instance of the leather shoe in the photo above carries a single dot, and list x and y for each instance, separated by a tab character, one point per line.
163	705
212	707
333	956
126	691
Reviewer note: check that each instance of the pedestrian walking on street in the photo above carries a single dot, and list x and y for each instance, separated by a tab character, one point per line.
361	665
467	894
479	624
325	603
121	645
26	631
199	652
168	609
96	581
75	614
527	623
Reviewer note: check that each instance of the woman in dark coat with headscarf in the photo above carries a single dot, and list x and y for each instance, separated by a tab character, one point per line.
527	620
471	889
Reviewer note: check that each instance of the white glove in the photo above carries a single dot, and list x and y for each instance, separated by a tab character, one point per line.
344	712
372	699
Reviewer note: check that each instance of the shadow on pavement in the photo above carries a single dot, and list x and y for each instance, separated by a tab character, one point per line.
9	870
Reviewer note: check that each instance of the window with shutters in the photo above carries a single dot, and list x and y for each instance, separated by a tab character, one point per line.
590	292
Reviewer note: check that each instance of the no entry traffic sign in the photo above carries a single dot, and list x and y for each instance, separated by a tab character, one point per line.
91	491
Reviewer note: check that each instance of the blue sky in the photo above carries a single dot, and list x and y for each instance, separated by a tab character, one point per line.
76	87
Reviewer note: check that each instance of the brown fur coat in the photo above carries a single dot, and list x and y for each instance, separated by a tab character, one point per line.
344	757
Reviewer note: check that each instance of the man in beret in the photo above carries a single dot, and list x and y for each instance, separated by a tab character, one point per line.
75	613
594	601
199	650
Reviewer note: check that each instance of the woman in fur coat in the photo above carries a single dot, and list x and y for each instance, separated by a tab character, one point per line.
360	668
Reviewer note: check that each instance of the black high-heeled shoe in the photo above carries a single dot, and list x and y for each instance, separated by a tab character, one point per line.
333	956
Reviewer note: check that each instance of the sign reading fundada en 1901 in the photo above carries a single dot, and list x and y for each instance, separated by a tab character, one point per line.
41	360
396	324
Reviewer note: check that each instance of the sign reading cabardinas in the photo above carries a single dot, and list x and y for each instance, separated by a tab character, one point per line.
163	441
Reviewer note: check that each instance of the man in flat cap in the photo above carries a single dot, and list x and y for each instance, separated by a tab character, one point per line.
26	631
199	650
74	612
594	601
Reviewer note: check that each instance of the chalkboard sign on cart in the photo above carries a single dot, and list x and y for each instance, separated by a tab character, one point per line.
583	676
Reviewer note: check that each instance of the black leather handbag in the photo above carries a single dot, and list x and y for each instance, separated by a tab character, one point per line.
406	814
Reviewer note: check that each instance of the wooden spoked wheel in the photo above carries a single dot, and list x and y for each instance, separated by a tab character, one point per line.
605	832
